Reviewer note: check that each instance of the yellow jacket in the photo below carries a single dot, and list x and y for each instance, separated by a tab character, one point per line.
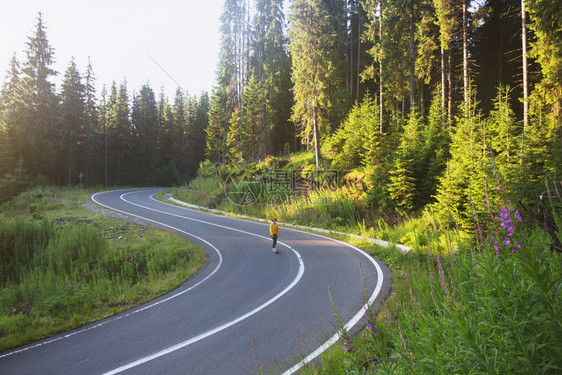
274	229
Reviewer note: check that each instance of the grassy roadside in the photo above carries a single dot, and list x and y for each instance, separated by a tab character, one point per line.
64	262
488	303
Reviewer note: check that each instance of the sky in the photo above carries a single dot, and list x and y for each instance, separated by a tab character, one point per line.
165	43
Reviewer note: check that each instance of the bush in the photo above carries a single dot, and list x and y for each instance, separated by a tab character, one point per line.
491	309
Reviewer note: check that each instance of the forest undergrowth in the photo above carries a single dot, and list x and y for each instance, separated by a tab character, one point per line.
63	265
481	302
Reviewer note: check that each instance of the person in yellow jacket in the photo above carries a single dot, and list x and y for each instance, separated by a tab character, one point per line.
274	232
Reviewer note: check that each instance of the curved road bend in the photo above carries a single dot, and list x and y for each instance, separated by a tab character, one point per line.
244	298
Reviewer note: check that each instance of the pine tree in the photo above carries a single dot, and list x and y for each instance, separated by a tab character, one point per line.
409	169
119	130
374	33
271	66
102	144
312	49
37	132
169	132
197	133
144	121
91	112
237	139
232	69
467	178
435	149
446	23
258	120
216	131
546	109
505	136
11	109
184	114
73	111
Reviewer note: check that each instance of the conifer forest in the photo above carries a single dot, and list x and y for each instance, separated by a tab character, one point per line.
428	101
441	121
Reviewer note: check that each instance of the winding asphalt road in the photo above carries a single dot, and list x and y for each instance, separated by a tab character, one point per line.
245	303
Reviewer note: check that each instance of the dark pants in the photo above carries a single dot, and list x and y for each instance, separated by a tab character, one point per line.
274	238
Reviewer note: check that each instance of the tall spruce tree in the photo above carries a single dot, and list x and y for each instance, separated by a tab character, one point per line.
271	65
546	24
197	133
313	36
11	110
169	132
217	129
91	112
73	113
119	131
37	132
144	121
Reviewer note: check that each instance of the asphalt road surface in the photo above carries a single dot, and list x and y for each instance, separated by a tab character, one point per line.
246	305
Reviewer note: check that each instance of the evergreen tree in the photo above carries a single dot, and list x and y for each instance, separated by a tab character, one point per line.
197	134
91	112
233	54
410	168
119	131
237	140
11	109
102	141
271	66
217	130
546	109
464	186
435	149
183	113
314	69
36	137
73	111
144	121
169	132
505	137
446	22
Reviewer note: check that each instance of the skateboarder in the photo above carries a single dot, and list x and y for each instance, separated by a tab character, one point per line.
274	231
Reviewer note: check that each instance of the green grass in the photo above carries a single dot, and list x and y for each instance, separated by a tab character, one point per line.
461	304
63	265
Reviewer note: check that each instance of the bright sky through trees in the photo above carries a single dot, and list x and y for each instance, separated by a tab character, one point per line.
121	36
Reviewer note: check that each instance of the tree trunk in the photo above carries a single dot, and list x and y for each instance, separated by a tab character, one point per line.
524	55
350	57
381	86
450	90
443	82
358	50
315	126
465	50
105	167
412	58
70	158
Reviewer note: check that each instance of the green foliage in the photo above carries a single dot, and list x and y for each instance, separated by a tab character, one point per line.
358	141
14	182
62	273
490	309
314	45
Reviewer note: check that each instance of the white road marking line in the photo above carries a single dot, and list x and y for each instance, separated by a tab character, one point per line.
217	329
332	340
113	319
